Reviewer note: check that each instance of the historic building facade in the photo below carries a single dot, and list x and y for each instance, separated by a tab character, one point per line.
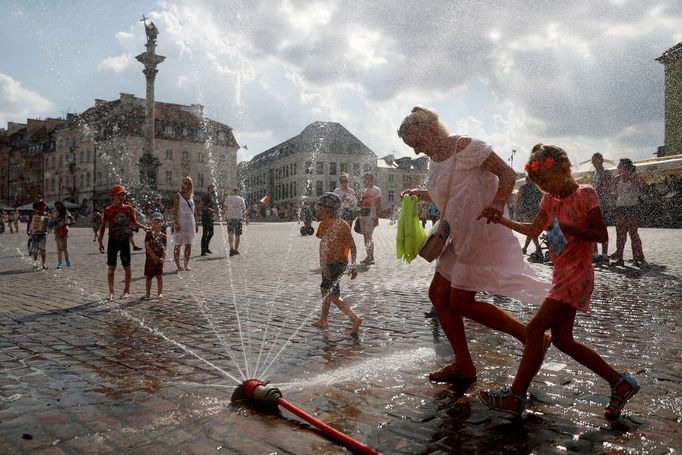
672	61
394	175
305	166
104	144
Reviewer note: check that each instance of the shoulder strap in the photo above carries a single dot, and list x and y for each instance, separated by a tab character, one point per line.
452	173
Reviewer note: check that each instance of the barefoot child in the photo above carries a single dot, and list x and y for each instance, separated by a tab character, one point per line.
336	242
574	221
36	228
120	218
155	252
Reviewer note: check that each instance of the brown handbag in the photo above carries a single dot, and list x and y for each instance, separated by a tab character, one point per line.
440	231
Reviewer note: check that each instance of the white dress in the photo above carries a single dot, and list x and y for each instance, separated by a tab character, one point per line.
186	221
481	256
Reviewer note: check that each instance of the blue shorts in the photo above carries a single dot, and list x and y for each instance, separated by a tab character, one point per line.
331	285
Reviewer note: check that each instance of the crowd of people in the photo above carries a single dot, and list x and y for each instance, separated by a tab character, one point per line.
471	185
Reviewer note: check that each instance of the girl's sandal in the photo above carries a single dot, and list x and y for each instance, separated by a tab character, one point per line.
618	401
500	401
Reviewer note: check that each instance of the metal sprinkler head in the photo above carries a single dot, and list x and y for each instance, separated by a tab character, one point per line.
257	392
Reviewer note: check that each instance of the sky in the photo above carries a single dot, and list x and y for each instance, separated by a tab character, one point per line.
578	74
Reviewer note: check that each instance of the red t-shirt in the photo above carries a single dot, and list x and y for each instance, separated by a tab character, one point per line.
121	220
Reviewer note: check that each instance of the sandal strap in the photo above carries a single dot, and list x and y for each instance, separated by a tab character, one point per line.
618	401
496	398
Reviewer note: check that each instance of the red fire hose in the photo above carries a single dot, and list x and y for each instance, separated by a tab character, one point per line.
271	397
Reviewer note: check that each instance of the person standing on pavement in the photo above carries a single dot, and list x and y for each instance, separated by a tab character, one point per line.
186	228
155	254
36	228
62	219
466	178
95	222
17	218
348	199
370	208
235	213
120	218
208	208
336	244
602	184
628	186
577	223
528	204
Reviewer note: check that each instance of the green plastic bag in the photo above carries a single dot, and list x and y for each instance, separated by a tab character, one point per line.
411	234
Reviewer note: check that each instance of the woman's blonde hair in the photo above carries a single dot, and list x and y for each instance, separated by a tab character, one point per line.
187	178
421	116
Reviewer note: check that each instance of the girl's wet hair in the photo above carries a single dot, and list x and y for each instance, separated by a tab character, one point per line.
544	157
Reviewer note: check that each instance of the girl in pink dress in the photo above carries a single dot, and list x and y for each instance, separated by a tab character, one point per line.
574	221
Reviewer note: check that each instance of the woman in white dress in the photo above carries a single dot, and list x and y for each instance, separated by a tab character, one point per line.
479	256
185	222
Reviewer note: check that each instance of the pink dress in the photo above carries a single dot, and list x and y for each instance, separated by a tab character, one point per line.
481	257
573	274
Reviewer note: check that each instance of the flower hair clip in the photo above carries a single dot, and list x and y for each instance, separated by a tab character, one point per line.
535	165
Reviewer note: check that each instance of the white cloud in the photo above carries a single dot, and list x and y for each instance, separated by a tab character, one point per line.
117	64
17	103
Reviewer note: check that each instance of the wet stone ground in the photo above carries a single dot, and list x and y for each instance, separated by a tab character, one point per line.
83	375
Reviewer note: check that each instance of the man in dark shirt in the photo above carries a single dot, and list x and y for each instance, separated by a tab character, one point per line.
208	208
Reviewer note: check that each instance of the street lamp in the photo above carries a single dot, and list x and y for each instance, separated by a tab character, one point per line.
511	159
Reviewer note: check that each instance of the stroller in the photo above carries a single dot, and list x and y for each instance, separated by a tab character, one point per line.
542	254
307	215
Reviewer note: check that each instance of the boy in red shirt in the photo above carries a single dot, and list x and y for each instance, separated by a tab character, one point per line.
336	242
121	219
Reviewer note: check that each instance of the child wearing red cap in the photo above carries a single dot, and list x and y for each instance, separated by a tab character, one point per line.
121	219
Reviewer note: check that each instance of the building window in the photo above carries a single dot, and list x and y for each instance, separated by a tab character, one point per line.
82	157
332	185
222	157
200	180
169	177
87	179
169	154
82	180
319	189
391	196
185	132
168	129
308	167
185	155
356	168
200	157
390	177
332	168
320	167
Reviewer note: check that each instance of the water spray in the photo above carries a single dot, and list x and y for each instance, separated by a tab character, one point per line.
269	397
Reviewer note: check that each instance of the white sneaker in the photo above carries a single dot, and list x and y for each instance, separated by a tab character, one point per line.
36	266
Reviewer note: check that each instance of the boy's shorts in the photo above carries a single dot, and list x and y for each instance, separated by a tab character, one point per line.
336	270
234	226
153	268
113	247
38	243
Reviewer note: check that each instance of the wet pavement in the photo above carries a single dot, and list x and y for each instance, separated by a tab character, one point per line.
84	375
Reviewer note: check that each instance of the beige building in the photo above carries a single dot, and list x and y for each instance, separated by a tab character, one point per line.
394	175
103	146
305	166
672	61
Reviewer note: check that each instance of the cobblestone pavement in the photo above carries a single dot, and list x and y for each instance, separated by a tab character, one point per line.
83	375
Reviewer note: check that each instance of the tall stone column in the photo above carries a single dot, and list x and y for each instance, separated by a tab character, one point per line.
149	164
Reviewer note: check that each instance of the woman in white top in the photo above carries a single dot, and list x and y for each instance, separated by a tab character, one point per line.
185	222
479	256
628	186
348	199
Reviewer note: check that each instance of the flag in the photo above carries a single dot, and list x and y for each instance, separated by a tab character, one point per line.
265	200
